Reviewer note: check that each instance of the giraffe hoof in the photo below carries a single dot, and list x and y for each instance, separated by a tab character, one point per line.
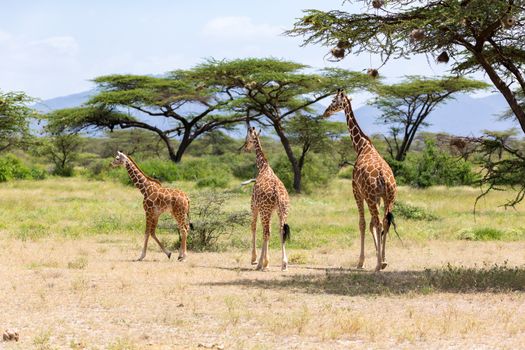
169	255
360	267
181	258
254	262
384	265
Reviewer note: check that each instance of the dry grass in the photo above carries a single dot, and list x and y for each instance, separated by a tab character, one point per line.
67	279
112	302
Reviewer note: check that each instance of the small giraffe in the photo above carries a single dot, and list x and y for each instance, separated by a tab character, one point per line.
372	180
158	200
268	194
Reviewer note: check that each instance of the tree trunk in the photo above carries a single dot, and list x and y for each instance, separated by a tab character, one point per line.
291	157
171	151
184	143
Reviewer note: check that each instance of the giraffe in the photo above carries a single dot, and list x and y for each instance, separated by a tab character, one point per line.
372	180
157	200
268	194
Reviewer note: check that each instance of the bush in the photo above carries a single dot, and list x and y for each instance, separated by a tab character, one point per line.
213	181
411	212
11	168
211	222
481	234
433	167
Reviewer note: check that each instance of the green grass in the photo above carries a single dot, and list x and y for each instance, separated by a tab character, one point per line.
74	207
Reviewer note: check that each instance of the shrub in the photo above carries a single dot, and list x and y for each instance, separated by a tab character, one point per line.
481	234
412	212
211	222
433	167
11	168
213	181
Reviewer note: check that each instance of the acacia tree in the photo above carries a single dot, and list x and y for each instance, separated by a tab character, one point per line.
312	134
14	119
273	91
407	105
170	106
480	35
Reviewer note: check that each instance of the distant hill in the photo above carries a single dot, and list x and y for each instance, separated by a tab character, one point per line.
69	101
465	115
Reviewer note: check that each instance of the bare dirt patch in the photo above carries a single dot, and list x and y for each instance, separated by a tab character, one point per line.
90	294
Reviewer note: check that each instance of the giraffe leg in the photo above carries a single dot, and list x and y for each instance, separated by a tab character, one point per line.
255	213
263	259
362	230
167	252
183	225
376	228
151	223
283	214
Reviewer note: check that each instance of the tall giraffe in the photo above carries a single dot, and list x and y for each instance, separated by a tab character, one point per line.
372	180
268	194
158	200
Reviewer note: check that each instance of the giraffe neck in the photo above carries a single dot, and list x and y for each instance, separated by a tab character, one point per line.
260	159
138	178
359	140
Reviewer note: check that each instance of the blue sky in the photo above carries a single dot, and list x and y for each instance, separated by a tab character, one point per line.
54	48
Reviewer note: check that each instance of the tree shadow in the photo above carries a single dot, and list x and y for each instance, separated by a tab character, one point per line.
453	279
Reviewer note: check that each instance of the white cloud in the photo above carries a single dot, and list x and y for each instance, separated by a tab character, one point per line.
38	66
63	45
239	28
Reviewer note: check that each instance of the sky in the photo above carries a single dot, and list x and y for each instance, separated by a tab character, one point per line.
51	48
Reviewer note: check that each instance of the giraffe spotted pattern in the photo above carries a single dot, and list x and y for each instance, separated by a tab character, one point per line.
372	180
268	194
157	200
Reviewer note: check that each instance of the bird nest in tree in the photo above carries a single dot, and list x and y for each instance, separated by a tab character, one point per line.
377	4
508	21
443	57
374	73
417	35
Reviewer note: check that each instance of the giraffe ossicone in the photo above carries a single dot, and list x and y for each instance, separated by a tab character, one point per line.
372	181
268	194
157	200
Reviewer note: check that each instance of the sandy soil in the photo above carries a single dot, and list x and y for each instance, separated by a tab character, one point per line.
89	294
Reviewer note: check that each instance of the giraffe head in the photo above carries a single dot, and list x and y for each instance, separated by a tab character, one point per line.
120	159
338	103
251	139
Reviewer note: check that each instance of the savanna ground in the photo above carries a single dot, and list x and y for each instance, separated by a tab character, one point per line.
68	279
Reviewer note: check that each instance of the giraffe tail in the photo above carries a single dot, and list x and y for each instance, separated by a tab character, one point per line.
286	232
390	221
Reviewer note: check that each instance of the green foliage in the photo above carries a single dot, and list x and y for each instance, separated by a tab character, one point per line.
412	212
482	36
317	171
433	167
62	150
206	171
211	222
481	234
14	119
12	168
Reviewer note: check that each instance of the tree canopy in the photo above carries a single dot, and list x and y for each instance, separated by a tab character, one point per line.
174	105
272	91
407	105
478	35
14	118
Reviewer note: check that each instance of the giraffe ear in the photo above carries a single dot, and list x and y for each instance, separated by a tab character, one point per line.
259	133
